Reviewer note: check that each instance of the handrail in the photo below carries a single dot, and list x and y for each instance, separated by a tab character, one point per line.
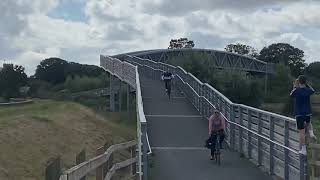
243	127
118	166
129	73
202	91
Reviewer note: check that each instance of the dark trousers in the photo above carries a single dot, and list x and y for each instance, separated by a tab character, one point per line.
213	137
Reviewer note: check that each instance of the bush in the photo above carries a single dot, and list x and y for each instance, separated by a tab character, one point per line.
38	87
237	86
77	83
279	84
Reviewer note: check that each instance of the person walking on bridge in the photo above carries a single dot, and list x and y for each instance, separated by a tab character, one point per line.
167	77
217	125
301	93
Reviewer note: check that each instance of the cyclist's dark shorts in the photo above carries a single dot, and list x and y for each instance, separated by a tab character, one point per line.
301	120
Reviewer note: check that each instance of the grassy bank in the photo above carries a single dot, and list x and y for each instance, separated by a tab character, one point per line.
31	134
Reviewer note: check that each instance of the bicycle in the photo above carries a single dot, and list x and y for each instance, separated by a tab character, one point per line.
217	150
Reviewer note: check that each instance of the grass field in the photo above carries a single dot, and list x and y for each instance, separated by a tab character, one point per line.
32	134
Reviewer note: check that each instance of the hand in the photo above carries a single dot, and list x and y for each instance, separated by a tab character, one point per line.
296	83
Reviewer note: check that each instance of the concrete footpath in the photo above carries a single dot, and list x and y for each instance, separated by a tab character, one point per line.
177	133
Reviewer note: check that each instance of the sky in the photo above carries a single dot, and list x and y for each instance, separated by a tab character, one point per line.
81	30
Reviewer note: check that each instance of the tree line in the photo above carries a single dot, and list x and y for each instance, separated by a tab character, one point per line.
248	88
52	74
55	74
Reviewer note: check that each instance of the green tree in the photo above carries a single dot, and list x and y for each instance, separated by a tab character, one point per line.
313	69
52	70
56	70
279	84
242	49
12	77
286	54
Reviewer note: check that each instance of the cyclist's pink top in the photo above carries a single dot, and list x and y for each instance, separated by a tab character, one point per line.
216	123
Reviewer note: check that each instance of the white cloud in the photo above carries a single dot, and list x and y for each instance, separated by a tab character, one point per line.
28	34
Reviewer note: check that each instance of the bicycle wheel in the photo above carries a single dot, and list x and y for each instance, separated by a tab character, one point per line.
218	158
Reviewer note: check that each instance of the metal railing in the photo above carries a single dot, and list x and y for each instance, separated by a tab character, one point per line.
129	73
270	140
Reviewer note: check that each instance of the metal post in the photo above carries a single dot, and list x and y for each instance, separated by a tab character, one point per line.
271	145
145	151
249	134
302	160
111	101
259	139
286	151
240	130
128	98
232	127
120	96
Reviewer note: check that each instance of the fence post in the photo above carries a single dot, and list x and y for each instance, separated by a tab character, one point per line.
80	158
286	151
260	139
145	151
302	160
134	165
271	145
232	127
111	94
53	170
120	96
109	163
128	98
240	130
249	134
99	170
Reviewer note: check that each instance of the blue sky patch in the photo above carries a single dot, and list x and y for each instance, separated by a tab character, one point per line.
69	10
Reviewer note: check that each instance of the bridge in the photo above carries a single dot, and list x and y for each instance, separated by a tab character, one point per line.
171	133
221	59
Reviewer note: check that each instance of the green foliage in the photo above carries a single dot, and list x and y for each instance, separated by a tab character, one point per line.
242	49
77	83
52	70
313	69
12	77
279	84
313	73
286	54
38	86
235	85
56	70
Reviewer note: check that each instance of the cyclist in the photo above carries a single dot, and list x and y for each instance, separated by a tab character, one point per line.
216	127
166	77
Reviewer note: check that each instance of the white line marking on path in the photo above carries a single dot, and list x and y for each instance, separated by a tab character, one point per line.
179	148
178	116
165	97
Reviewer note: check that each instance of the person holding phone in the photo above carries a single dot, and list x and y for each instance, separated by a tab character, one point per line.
301	92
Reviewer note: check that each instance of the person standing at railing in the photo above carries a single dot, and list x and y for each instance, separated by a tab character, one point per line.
217	126
301	93
167	77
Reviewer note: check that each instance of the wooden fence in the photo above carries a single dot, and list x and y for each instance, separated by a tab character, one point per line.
103	165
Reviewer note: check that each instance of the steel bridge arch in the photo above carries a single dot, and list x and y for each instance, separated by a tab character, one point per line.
222	59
